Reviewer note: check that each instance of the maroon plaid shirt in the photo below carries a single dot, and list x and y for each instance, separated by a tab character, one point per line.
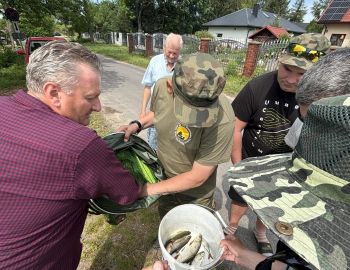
49	167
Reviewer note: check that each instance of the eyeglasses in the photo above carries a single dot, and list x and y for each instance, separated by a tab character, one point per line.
301	51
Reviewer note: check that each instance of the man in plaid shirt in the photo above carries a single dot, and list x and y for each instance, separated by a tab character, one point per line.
51	164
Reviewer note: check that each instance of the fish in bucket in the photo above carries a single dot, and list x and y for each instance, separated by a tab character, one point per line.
189	237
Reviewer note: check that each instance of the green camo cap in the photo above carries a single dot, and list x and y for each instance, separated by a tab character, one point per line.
198	80
309	190
311	41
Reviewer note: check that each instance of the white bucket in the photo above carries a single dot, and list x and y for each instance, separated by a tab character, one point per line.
196	219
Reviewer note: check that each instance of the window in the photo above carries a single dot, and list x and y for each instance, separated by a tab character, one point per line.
219	35
337	39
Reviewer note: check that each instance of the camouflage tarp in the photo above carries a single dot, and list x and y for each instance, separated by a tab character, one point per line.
308	190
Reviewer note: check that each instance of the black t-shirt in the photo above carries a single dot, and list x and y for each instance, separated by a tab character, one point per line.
269	112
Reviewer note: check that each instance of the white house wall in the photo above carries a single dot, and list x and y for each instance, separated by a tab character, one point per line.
237	33
338	29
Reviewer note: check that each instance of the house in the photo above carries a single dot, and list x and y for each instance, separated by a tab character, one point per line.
268	33
241	24
336	20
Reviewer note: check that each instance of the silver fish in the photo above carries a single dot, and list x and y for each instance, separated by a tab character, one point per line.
189	251
173	246
206	248
177	235
198	259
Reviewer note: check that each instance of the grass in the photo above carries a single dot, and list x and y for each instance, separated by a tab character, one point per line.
12	77
119	53
234	84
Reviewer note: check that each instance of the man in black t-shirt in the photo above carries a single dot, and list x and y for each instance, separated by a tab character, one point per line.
265	109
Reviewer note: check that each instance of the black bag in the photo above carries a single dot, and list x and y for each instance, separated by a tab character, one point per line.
103	205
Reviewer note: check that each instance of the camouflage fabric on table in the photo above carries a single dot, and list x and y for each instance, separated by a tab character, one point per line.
198	80
313	203
312	41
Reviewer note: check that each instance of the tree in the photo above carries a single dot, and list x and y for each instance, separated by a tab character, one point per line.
177	14
218	9
279	7
105	16
317	8
36	27
143	11
124	18
298	11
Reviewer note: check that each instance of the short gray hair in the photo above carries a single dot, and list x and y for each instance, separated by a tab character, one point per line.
327	78
173	38
58	62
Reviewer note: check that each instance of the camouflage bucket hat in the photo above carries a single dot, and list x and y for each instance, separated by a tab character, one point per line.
304	197
103	205
312	41
198	80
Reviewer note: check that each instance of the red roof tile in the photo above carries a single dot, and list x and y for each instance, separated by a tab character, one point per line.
276	31
346	17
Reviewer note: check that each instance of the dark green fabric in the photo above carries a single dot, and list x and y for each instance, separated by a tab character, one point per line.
104	205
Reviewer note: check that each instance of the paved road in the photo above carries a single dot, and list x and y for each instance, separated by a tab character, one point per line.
121	98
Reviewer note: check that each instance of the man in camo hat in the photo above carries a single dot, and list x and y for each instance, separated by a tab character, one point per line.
304	197
265	109
194	126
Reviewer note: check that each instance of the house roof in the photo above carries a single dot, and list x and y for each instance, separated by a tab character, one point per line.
302	25
245	18
275	31
337	11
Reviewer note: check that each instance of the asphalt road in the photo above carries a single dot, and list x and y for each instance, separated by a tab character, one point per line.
121	100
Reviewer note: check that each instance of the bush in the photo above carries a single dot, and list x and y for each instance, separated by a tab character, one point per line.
231	68
12	77
203	34
9	58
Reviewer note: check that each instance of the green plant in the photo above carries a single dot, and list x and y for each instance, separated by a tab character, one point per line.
119	53
259	70
284	37
203	34
235	83
9	58
231	68
12	77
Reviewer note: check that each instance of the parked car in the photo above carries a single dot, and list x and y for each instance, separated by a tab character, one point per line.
32	43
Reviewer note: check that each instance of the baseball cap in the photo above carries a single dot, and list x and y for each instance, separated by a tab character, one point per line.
314	42
198	80
304	197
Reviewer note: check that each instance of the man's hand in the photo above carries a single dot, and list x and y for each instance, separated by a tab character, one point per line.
128	130
232	248
236	252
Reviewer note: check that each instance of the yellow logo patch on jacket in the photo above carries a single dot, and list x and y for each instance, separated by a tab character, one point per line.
183	134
